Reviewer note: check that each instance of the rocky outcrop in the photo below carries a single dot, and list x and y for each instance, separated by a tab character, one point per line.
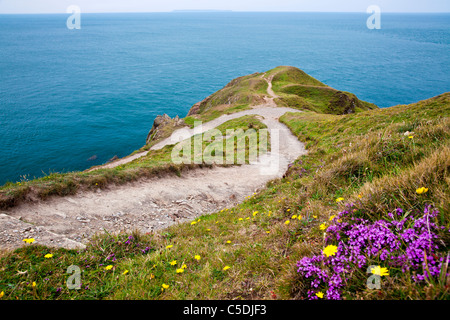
343	103
162	126
196	108
113	159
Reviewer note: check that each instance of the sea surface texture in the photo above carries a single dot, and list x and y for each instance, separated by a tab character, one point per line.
67	96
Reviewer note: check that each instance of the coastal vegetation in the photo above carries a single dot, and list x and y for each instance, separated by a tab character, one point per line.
363	215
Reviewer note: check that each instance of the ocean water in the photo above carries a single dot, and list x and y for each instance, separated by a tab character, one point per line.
67	95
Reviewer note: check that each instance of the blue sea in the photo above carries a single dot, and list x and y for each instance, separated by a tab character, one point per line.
70	95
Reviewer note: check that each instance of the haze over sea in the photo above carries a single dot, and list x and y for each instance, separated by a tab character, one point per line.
67	95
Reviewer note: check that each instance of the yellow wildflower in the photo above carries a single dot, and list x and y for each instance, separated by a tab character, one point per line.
287	222
319	295
294	216
173	262
332	217
288	210
226	268
125	272
109	267
323	226
240	219
193	222
228	241
339	199
360	195
31	240
410	137
422	190
330	250
300	218
315	217
380	271
183	266
197	257
33	284
255	213
2	294
181	270
169	246
164	286
48	256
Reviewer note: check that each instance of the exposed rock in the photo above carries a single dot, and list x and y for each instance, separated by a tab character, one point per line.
94	157
160	124
195	109
113	159
344	103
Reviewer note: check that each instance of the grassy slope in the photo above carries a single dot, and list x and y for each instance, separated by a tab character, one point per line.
297	89
238	95
364	154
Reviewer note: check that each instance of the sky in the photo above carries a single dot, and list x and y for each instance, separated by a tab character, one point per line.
86	6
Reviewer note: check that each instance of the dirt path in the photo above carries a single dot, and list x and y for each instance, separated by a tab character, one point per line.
207	126
270	91
155	203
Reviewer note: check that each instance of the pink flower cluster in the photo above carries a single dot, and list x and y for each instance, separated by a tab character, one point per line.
403	242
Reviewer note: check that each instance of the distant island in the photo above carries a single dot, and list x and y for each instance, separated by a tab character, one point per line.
193	10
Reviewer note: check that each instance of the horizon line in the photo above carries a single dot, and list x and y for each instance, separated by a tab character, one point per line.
222	11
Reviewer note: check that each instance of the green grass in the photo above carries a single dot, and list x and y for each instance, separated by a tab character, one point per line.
215	143
238	95
296	89
286	75
375	159
359	150
241	91
215	112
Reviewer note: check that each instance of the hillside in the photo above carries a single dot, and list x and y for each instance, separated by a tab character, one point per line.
368	199
293	88
298	90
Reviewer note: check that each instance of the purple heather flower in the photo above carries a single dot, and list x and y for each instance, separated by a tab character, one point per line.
409	244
